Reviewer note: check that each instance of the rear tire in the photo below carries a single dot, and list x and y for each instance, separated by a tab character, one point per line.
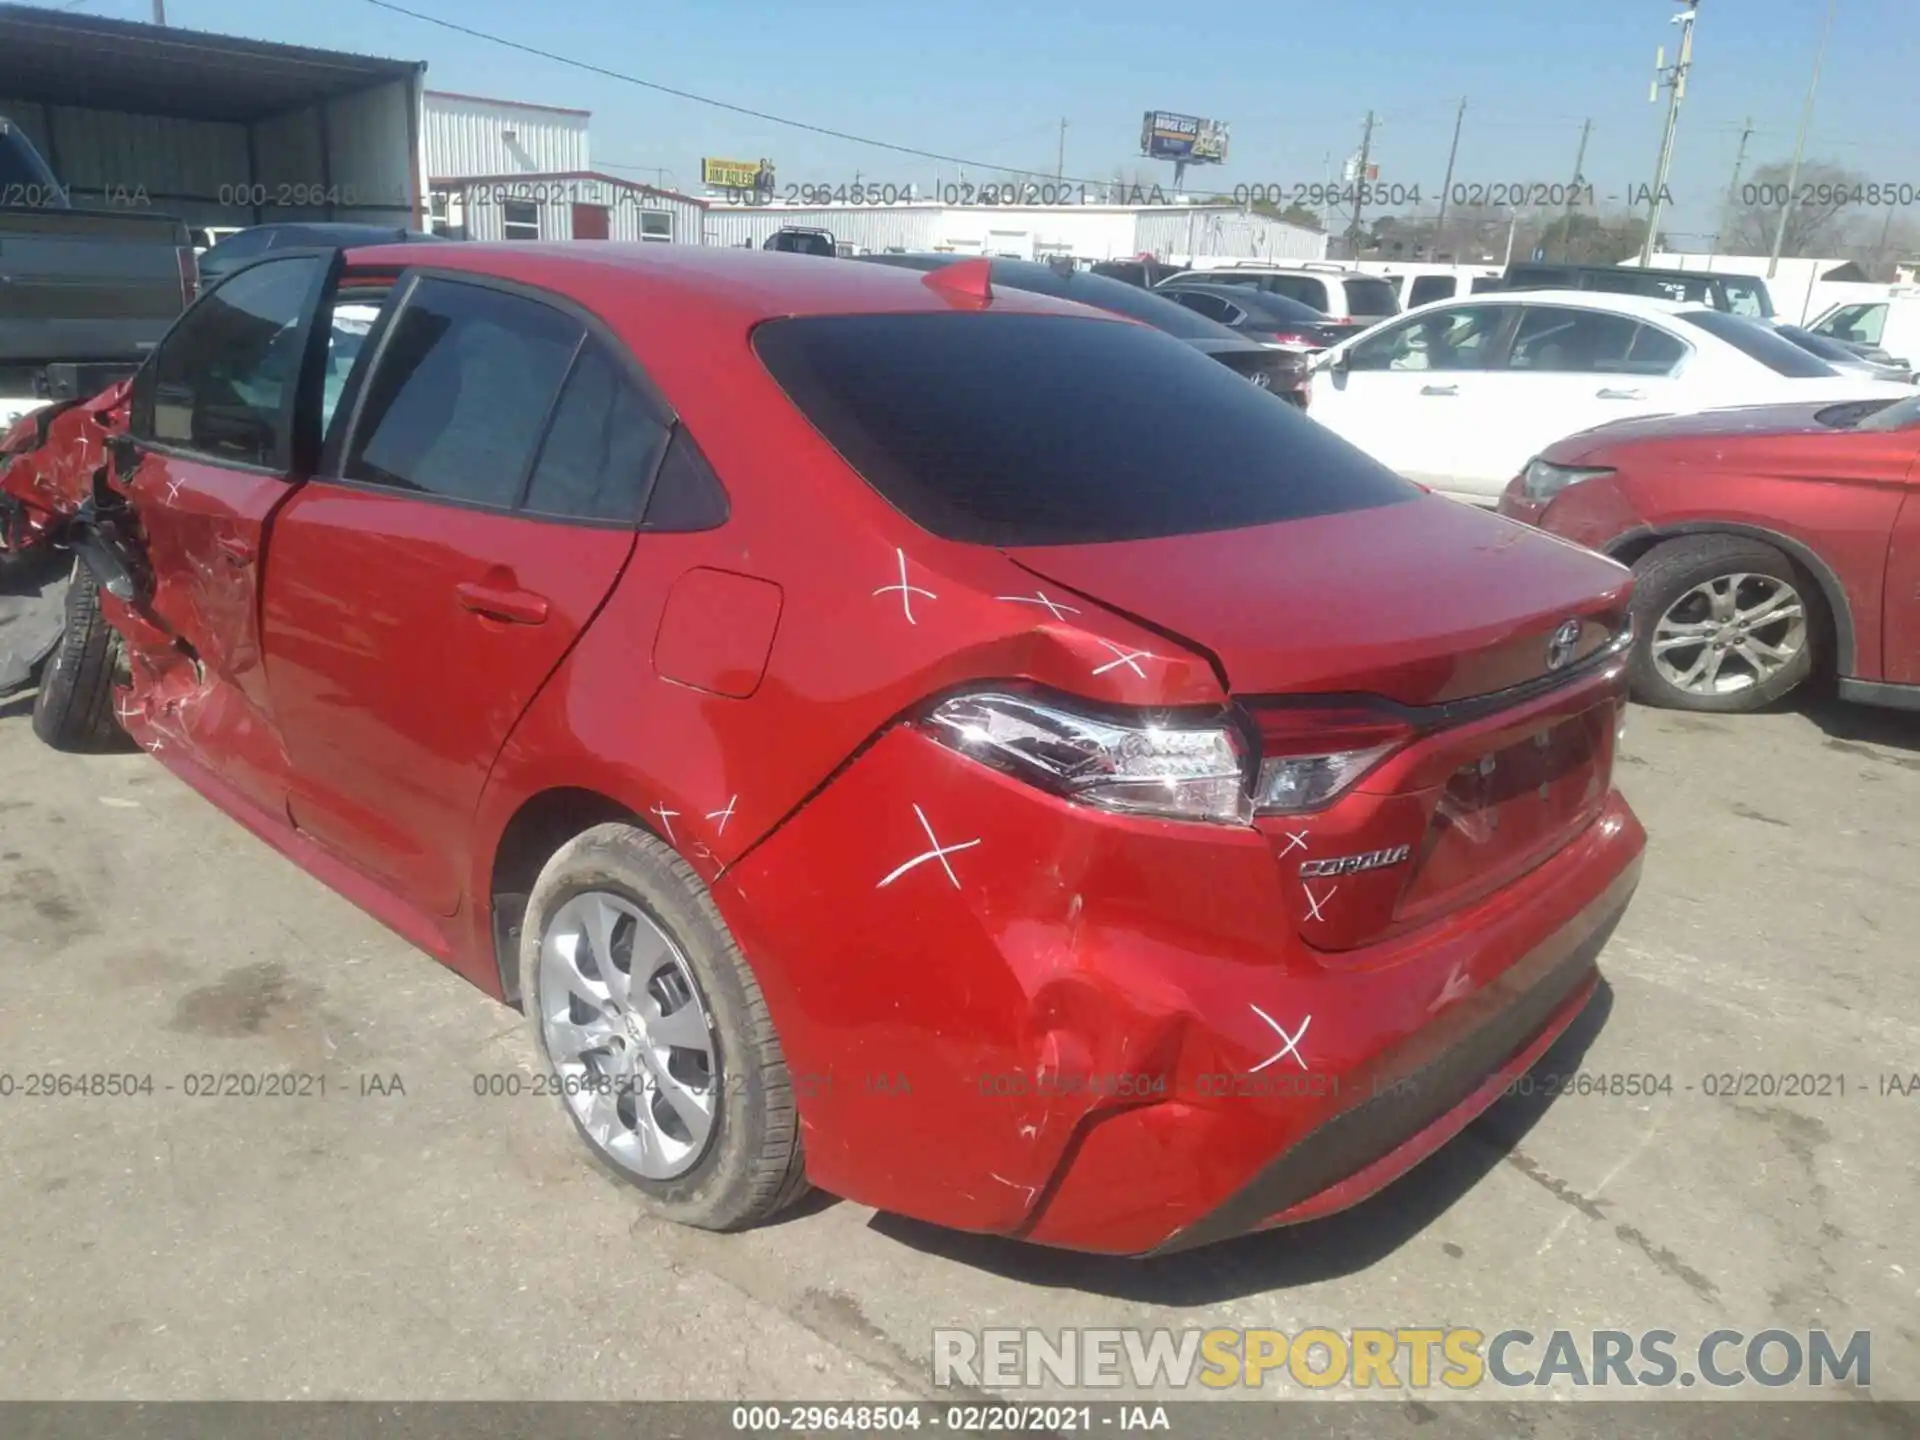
748	1165
74	710
1722	624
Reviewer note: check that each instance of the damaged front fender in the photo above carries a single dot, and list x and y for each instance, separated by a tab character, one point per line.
56	495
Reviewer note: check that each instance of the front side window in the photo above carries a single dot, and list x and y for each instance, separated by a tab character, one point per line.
222	381
520	220
1855	324
1461	338
1008	429
348	327
458	402
656	226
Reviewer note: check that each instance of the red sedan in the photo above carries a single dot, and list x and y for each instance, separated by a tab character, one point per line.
874	747
1766	543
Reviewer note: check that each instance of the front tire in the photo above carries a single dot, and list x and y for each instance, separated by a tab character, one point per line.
653	1027
1723	624
74	710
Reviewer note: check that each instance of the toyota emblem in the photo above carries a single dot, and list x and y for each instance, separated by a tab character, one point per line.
1561	648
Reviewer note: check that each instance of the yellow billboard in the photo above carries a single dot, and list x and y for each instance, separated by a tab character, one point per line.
736	174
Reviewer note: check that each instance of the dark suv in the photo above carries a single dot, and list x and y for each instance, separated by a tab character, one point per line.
1736	294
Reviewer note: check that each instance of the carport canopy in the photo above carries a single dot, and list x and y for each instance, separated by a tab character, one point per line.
54	58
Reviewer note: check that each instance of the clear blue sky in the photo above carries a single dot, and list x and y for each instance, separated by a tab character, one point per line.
991	81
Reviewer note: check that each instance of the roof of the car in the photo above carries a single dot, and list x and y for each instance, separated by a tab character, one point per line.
752	284
1642	305
344	227
1317	267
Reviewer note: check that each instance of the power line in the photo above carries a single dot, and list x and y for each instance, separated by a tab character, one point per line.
727	105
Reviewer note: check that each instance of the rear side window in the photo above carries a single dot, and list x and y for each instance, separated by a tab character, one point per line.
687	495
1046	430
1757	342
1304	288
601	448
458	401
1554	338
1211	306
1747	297
1371	297
1430	287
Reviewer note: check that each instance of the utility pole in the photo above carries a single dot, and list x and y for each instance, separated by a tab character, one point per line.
1800	144
1060	158
1573	193
1359	188
1733	187
159	12
1446	185
1676	80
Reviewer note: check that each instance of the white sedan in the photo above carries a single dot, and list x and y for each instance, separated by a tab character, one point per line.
1460	394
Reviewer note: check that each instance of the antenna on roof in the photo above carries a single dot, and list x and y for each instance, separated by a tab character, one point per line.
967	283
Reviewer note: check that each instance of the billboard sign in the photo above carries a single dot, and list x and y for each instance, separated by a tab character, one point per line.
1188	138
737	175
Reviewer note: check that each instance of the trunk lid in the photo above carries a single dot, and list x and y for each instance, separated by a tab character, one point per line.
1421	602
1422	634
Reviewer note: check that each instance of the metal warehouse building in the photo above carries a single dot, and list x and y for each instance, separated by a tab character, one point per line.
214	129
509	170
1177	233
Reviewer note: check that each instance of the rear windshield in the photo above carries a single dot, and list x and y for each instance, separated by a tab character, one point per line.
1050	430
1106	293
1758	342
1371	297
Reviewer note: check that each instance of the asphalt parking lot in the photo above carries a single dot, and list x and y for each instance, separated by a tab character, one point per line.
439	1244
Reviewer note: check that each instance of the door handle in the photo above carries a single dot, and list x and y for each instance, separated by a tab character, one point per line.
516	607
1439	389
236	548
1621	394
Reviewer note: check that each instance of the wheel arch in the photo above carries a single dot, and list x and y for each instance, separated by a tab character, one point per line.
1632	545
541	823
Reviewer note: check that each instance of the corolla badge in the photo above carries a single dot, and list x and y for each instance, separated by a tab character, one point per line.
1563	644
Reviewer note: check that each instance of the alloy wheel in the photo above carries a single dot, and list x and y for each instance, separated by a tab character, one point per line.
628	1034
1729	633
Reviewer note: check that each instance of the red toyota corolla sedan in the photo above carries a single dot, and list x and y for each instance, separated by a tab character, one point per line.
969	752
1766	543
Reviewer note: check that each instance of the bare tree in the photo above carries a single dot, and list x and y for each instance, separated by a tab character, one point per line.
1824	210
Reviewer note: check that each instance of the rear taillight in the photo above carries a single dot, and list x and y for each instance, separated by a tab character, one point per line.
1291	337
1310	755
1137	764
189	275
